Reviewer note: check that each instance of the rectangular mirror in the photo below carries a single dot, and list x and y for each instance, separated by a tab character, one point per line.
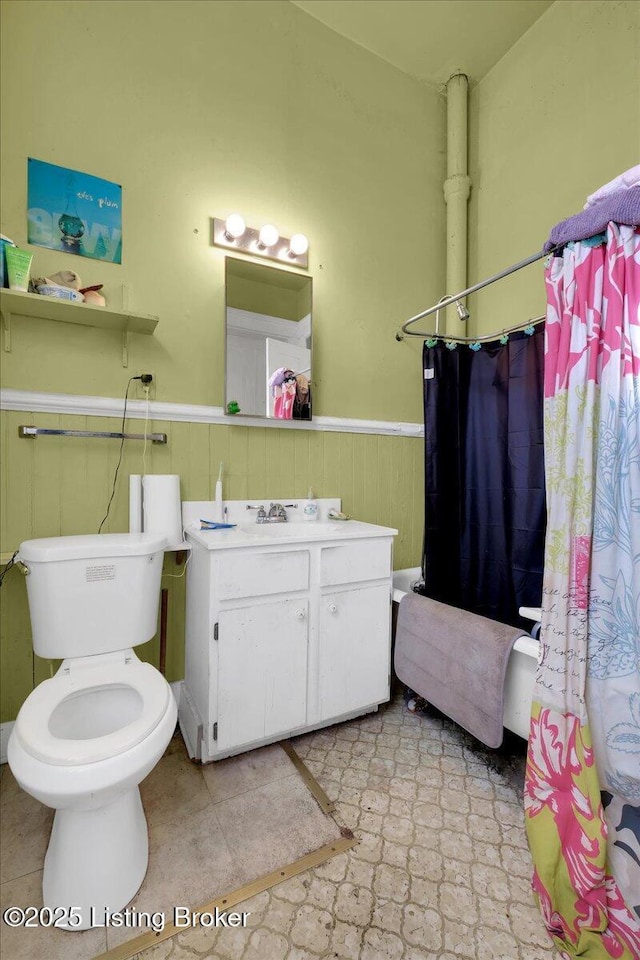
268	341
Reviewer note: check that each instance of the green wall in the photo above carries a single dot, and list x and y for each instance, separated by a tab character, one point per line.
61	485
199	109
555	119
203	108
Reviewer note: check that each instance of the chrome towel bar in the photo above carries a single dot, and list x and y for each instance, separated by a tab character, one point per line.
33	432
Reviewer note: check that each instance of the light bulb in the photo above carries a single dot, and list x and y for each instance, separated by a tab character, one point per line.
234	226
298	245
269	235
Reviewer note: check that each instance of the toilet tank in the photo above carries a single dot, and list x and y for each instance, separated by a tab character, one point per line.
93	594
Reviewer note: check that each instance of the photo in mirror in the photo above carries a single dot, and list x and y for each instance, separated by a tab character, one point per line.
268	341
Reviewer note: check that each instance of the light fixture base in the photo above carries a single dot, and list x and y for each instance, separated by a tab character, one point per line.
249	243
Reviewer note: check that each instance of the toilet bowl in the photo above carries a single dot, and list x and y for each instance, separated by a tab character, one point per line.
85	739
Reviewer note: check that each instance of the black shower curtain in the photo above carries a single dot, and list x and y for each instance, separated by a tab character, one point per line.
484	476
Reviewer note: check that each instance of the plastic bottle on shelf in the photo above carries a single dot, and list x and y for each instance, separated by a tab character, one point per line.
310	509
218	508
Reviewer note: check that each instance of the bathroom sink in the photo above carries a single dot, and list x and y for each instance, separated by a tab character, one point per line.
292	531
244	532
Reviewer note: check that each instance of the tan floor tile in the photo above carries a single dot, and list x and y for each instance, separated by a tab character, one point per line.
355	778
457	872
346	940
369	847
526	925
353	904
391	883
441	870
189	865
380	945
395	854
229	944
265	943
311	929
174	788
491	881
360	873
20	943
26	827
321	894
494	945
334	870
229	778
459	938
387	914
280	916
372	822
425	863
398	830
267	812
422	927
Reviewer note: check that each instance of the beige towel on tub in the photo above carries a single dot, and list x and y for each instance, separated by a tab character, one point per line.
457	661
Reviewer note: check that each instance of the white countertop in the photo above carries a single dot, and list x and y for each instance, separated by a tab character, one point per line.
252	534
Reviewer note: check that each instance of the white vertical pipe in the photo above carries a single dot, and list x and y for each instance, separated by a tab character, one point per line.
456	194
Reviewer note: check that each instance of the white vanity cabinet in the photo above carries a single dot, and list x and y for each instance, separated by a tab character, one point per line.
283	635
260	672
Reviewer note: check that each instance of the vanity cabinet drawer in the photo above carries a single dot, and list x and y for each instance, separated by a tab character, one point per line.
249	574
353	562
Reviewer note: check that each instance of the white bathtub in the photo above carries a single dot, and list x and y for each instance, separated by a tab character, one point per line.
521	669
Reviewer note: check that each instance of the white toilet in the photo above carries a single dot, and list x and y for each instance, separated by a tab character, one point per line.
84	740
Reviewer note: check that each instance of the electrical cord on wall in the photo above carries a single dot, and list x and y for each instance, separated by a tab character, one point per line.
115	476
146	428
8	566
179	576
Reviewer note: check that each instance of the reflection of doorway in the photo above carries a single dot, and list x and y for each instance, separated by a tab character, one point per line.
281	354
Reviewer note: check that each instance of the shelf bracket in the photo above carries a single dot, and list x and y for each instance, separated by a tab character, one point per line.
125	347
6	329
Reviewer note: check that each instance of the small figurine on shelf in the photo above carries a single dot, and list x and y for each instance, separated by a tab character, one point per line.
233	407
92	296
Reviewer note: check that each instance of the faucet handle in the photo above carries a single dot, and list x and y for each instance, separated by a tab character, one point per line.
262	514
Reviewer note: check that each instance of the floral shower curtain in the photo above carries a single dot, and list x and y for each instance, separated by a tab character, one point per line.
582	791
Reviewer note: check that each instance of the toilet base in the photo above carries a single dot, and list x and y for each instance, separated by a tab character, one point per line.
96	860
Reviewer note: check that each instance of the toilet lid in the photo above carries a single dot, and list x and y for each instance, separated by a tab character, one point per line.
32	723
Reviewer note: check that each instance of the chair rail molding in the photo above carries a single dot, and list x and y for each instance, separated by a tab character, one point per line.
88	406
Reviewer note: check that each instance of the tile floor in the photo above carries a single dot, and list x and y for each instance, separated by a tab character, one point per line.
212	829
442	868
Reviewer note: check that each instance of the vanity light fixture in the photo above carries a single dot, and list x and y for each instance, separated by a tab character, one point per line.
268	236
234	234
298	245
234	227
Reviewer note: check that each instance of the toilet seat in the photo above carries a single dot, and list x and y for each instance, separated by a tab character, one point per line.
32	723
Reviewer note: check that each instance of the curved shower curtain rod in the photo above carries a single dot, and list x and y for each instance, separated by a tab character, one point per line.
448	301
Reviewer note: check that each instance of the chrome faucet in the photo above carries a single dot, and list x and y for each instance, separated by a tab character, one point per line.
262	515
277	514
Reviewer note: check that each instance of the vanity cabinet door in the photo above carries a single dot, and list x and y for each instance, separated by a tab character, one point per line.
261	671
355	649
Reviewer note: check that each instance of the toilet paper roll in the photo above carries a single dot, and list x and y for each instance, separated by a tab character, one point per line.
135	503
161	507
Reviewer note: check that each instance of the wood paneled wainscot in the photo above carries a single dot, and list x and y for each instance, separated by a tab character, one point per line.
287	630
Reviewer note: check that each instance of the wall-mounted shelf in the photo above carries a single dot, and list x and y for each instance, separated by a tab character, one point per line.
14	302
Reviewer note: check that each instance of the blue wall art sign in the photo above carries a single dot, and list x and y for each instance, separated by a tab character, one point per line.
75	212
